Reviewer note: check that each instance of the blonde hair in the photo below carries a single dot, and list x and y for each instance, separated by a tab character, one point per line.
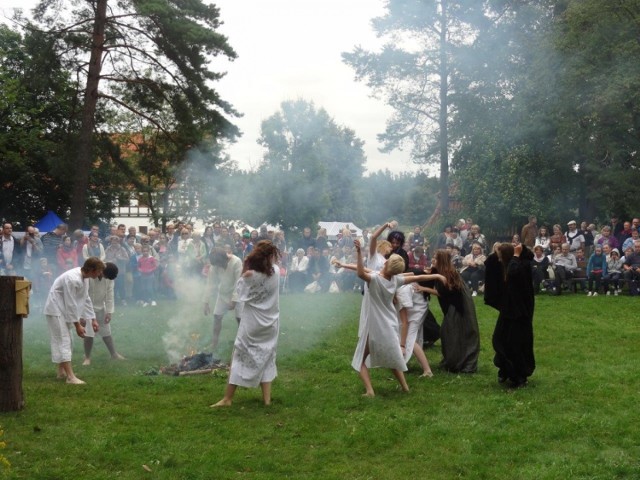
382	245
395	264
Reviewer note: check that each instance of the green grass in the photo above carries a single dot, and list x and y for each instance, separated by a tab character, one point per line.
578	418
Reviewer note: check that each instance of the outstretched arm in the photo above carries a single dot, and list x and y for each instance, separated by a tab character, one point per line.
425	278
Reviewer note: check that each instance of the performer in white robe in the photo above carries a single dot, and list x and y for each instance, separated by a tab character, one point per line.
254	355
101	292
69	304
378	345
416	313
223	276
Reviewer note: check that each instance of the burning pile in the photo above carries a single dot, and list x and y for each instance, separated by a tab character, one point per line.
195	364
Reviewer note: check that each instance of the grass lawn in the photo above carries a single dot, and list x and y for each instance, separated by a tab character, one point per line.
577	419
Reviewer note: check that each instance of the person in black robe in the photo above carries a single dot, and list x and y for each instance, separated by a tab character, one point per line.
509	289
459	333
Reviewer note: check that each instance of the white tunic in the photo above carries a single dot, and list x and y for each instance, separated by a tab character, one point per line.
416	313
379	326
222	283
254	355
375	263
67	303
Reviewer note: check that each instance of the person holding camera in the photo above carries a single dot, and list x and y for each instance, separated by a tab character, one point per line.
31	246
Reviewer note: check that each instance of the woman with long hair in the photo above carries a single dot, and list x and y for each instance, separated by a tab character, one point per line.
254	354
459	336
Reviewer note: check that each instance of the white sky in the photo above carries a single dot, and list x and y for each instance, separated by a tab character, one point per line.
290	49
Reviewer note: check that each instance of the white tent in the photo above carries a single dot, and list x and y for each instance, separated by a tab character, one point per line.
335	228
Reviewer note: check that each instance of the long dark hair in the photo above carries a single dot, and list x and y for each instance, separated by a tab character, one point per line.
445	267
262	258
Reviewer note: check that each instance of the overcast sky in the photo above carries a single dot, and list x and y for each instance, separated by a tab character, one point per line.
291	49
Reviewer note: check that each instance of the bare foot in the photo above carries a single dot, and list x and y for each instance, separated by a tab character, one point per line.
75	381
222	403
427	374
61	374
117	356
369	394
87	361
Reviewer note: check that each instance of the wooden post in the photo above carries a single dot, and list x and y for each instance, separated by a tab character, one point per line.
11	395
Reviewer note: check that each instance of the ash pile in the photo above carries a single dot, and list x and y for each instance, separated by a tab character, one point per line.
198	363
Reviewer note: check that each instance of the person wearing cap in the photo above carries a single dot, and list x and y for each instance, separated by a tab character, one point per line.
564	267
614	273
574	237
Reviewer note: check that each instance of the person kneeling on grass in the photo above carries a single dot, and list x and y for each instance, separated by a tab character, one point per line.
101	292
378	344
254	353
68	303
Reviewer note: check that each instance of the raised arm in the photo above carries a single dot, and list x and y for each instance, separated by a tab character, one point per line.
373	241
360	265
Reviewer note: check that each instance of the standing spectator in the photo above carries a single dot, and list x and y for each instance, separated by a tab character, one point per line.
207	238
587	233
79	240
223	276
69	304
50	243
101	294
415	238
94	248
147	266
67	256
530	232
574	237
10	251
116	253
475	236
306	240
557	238
322	241
31	246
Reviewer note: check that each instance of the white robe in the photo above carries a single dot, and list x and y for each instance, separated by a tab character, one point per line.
379	326
254	354
67	303
416	314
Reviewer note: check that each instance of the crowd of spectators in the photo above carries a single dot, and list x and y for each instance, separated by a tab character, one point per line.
597	261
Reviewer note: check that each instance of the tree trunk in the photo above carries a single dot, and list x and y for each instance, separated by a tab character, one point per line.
11	395
85	140
443	117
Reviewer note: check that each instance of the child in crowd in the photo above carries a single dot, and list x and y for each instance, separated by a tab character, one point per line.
147	266
596	270
614	273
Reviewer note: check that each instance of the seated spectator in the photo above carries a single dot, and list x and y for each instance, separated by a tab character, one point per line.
614	273
539	267
596	270
416	239
418	259
631	268
318	269
298	272
474	236
633	236
472	270
564	267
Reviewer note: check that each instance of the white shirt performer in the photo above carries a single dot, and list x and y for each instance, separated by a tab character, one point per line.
224	273
101	292
254	355
68	304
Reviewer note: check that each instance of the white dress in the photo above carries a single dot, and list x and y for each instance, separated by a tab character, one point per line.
379	326
254	354
416	314
375	263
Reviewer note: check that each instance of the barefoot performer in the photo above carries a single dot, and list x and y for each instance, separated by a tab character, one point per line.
378	345
254	354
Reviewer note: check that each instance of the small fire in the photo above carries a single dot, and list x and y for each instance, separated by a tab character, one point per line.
193	347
